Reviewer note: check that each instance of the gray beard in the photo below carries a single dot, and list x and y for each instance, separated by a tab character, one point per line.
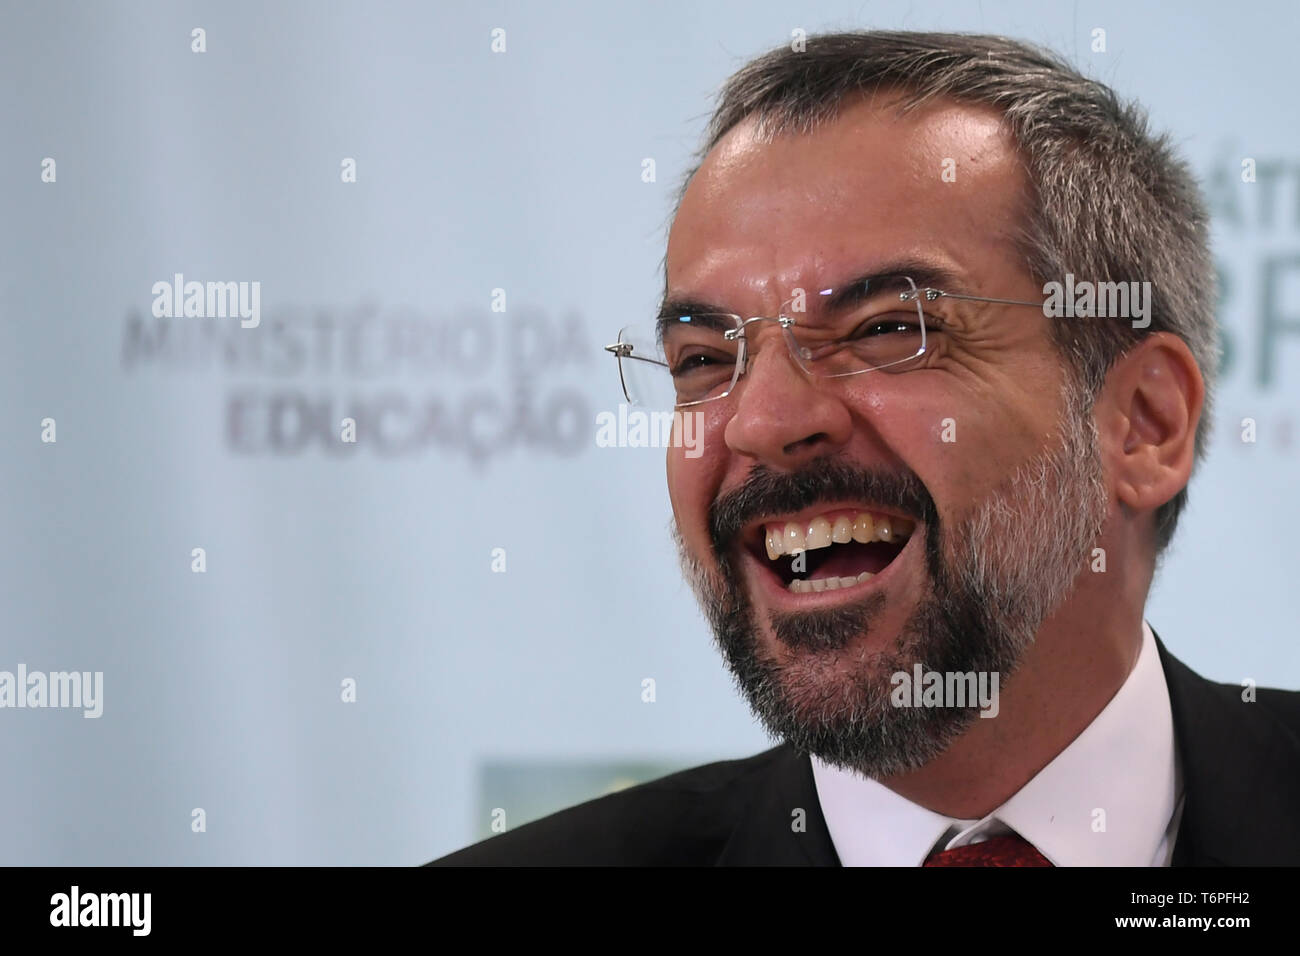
991	583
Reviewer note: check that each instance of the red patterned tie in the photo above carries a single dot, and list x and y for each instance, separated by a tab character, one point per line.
1009	850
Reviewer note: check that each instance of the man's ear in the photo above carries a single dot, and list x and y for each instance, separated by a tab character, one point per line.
1147	417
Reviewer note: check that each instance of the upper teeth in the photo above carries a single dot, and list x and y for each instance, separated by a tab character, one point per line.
820	532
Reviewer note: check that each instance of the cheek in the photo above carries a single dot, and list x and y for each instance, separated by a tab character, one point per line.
695	477
961	443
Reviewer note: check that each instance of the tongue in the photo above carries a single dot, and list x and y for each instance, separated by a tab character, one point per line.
850	560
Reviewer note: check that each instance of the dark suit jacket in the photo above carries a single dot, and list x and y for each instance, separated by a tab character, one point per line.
1241	778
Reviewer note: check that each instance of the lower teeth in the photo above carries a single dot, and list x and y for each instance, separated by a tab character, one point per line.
800	586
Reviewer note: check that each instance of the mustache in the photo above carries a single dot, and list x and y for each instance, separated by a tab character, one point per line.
765	492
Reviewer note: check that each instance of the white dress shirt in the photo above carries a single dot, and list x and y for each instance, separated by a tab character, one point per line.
1113	797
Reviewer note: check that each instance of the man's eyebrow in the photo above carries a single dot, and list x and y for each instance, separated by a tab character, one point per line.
838	296
674	306
855	290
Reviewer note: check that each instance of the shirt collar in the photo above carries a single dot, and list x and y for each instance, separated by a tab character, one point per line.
1107	799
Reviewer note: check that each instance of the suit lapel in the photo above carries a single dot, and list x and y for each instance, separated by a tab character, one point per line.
766	834
1242	800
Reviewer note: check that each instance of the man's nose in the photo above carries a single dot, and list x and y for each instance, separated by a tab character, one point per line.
783	415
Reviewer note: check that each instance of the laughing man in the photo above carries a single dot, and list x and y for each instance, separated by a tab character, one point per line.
910	467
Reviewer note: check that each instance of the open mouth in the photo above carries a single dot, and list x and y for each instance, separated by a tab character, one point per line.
829	551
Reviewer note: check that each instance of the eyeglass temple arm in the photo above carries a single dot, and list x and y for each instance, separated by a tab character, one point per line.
932	294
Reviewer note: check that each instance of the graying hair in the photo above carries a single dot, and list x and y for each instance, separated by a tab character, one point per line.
1111	201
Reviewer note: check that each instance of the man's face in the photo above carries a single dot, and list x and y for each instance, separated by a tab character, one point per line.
972	448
